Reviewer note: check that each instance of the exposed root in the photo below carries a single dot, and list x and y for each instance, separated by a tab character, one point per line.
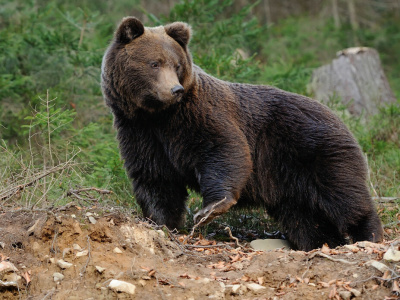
237	244
319	253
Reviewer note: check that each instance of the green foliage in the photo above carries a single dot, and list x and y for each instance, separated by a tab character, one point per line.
220	44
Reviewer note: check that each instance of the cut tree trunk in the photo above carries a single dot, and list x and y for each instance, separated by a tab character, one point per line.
357	78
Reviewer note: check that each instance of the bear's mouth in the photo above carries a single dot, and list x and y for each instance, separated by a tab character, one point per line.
153	103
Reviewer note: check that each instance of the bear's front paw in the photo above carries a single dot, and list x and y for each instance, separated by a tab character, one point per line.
208	213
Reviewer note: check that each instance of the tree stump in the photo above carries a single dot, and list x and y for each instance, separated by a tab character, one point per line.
356	76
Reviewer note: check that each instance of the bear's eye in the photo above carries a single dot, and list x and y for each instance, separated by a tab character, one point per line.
155	65
178	67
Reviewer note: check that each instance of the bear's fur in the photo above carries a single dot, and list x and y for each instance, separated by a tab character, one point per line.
179	127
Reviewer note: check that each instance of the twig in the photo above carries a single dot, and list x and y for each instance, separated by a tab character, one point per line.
331	258
8	193
385	199
76	193
202	220
209	246
52	249
100	191
227	229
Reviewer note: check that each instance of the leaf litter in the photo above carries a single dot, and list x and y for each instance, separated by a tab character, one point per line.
154	262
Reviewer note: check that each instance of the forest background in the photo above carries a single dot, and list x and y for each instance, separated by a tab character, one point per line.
56	134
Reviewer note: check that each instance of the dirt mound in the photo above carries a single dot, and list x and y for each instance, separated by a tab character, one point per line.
77	254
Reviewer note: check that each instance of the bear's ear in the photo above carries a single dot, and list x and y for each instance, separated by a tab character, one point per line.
180	32
129	29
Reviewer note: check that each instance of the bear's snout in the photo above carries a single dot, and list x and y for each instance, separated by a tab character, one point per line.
177	90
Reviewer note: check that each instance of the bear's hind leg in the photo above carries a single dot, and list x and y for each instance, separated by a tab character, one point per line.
308	229
368	228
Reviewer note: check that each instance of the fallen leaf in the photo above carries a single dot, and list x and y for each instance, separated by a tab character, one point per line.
151	273
26	277
332	281
145	268
185	276
332	293
325	249
323	284
395	287
235	258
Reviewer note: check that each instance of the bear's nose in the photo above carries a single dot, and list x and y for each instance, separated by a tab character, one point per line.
178	89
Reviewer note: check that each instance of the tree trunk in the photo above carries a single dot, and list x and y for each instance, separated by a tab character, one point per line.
267	9
356	76
335	12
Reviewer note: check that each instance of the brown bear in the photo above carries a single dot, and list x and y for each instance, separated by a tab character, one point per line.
237	144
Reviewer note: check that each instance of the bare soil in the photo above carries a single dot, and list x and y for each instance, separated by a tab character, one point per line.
162	265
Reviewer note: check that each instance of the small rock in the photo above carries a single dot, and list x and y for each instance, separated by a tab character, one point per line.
145	277
142	282
355	292
255	287
235	288
92	220
392	255
377	265
59	219
2	245
312	284
73	216
269	244
6	267
52	260
82	253
117	250
100	269
88	214
345	295
122	286
58	276
76	247
63	264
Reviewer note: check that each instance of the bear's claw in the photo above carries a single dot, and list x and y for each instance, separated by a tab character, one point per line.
208	213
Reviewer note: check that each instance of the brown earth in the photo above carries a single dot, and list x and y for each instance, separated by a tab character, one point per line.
162	266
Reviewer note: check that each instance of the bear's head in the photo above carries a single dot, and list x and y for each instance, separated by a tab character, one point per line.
147	68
